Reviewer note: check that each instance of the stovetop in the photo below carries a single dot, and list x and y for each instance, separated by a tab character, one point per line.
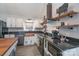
64	45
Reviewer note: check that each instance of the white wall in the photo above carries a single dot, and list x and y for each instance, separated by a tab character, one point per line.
67	20
74	20
27	10
54	7
15	22
12	20
15	13
71	6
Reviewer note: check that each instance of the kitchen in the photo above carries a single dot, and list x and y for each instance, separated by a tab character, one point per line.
39	29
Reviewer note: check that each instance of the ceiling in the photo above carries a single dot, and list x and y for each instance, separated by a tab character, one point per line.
28	10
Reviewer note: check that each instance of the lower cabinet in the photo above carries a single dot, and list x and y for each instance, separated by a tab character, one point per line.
41	46
29	40
13	53
20	40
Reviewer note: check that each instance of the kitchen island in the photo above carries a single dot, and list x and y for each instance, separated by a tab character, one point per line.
8	46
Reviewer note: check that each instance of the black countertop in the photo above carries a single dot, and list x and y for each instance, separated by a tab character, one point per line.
64	45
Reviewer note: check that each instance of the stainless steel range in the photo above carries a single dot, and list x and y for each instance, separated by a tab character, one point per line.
70	47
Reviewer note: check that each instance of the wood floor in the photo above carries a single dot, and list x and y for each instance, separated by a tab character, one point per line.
27	51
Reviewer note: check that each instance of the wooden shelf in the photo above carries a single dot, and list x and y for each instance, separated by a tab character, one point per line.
39	28
44	22
70	13
68	26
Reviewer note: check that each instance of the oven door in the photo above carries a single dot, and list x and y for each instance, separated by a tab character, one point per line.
53	50
41	45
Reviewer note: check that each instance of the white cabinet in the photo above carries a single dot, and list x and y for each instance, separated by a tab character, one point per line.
9	35
29	40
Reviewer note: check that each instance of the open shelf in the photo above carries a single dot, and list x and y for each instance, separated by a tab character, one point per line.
70	13
44	22
68	26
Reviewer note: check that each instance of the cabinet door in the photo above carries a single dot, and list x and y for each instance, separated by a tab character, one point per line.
21	40
41	47
0	29
12	53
